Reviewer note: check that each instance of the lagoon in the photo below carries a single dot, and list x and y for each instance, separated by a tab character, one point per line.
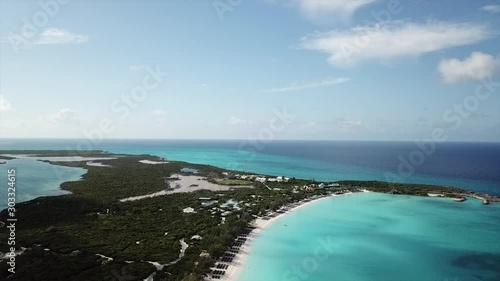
371	237
36	178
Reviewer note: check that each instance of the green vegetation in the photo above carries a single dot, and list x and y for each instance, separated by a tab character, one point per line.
233	182
414	189
92	220
6	157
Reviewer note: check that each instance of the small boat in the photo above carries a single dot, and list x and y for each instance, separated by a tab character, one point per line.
486	202
461	199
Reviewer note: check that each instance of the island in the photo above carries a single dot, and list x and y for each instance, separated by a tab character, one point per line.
3	158
142	217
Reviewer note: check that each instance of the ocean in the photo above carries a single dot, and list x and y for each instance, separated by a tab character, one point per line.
474	166
379	237
356	237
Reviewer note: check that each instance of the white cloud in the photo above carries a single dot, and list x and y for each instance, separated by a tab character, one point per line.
330	9
477	66
60	36
494	9
236	121
346	123
297	86
65	116
393	40
4	105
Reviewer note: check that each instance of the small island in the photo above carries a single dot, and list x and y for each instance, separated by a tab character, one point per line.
4	158
142	217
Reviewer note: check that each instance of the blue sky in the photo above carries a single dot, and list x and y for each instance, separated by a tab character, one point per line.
273	69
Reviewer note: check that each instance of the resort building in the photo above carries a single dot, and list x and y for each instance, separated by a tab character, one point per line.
261	179
188	210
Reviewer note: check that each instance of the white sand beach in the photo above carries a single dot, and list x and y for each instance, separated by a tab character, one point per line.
236	266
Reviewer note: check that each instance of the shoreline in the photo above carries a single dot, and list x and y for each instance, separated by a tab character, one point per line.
236	266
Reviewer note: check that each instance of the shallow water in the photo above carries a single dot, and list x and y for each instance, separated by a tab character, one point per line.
36	178
372	236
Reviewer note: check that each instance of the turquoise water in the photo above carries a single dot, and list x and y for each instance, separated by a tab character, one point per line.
370	237
35	178
304	168
473	166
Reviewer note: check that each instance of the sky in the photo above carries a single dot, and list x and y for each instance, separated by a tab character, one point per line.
258	69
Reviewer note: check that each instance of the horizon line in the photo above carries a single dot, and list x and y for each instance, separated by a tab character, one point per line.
214	139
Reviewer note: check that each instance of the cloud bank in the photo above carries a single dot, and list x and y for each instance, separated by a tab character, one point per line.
478	66
392	40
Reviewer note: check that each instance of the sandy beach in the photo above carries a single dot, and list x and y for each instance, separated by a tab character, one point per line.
236	266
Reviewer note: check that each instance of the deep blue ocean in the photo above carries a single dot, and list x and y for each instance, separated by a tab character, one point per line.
474	166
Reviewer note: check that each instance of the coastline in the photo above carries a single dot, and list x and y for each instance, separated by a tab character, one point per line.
234	263
236	266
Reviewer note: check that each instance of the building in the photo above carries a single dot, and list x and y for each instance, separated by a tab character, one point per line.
209	203
261	179
307	188
204	254
328	185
